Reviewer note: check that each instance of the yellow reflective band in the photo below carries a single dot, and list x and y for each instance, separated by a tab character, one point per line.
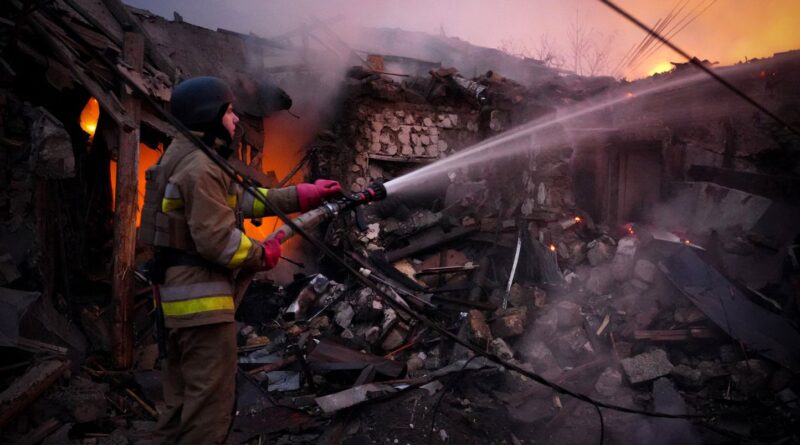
241	252
197	305
258	207
170	204
231	201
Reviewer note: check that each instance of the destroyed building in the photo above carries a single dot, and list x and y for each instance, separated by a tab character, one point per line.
634	244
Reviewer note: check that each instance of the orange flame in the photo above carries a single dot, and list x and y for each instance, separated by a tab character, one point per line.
578	220
552	247
89	117
147	157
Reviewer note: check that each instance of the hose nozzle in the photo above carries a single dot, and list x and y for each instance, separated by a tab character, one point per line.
374	192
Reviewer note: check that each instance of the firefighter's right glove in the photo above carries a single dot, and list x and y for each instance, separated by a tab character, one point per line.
310	196
272	250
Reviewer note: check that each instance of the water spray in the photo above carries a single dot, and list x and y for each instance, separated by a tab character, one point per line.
329	209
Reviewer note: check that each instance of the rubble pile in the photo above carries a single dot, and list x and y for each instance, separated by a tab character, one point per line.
690	309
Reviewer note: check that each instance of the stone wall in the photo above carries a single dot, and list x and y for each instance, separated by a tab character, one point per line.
387	137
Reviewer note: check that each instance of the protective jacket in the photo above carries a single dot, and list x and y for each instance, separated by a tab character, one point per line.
192	208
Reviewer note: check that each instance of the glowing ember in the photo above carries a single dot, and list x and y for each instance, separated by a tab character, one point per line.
629	94
552	247
686	241
89	117
578	220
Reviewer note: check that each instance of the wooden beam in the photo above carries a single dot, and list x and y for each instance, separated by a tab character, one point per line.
125	213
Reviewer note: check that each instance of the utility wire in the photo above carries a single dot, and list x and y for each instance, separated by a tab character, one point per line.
696	62
249	185
673	14
673	33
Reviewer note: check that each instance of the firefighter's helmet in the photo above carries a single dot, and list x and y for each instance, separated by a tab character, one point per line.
198	102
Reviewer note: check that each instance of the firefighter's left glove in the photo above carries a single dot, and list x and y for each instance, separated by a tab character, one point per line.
272	250
310	196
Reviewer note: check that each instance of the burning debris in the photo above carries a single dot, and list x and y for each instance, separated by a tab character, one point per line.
492	237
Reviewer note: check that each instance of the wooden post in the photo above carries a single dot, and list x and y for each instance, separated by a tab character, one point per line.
125	213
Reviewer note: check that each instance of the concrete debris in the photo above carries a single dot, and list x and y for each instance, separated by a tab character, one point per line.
688	315
648	366
645	271
477	329
85	399
344	315
569	314
751	375
510	322
608	383
667	399
600	251
540	357
500	348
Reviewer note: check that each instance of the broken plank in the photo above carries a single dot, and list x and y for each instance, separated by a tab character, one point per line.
402	159
329	355
673	334
447	269
110	104
38	346
26	389
433	237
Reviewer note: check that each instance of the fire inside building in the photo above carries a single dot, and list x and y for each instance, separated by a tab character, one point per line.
479	247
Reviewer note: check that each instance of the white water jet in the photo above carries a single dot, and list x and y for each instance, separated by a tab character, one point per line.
498	147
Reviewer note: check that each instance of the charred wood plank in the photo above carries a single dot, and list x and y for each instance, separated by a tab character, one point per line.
26	389
673	334
431	238
402	159
328	355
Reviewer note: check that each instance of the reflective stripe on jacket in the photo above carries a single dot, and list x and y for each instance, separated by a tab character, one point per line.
201	202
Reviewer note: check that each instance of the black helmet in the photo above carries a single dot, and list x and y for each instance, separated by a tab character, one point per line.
198	102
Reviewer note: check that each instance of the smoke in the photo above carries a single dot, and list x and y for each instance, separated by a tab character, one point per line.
753	28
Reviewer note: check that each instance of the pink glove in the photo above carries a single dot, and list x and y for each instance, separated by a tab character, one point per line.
272	250
310	196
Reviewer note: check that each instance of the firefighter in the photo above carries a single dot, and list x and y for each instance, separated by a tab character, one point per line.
190	216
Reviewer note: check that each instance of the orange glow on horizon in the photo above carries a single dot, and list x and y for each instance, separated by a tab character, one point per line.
660	67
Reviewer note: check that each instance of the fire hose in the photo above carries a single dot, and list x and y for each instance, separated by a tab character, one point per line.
311	219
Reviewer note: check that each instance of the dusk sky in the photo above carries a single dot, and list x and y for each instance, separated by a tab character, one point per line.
728	31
